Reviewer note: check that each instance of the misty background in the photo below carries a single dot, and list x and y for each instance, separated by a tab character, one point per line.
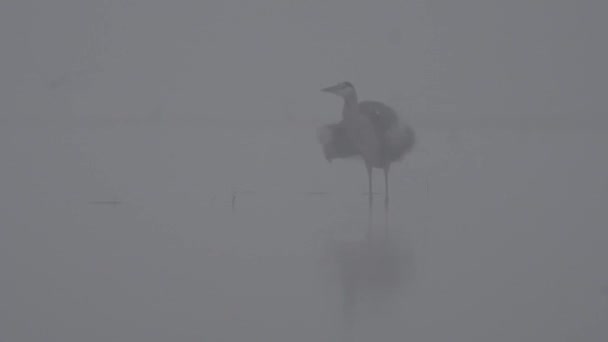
161	179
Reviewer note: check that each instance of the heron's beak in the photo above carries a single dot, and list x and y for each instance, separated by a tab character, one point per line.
331	89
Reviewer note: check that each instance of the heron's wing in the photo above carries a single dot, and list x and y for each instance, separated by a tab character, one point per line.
335	138
395	136
381	115
342	143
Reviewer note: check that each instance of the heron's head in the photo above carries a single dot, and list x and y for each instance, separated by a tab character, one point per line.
342	89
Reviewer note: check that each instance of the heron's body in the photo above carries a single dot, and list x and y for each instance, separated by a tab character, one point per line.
370	130
396	139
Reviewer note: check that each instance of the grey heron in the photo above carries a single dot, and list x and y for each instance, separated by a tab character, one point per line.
370	130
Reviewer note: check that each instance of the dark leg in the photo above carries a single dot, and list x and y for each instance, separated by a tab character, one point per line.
370	221
369	183
386	201
386	188
386	225
370	208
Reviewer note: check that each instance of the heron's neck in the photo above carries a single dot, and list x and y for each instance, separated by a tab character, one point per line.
351	104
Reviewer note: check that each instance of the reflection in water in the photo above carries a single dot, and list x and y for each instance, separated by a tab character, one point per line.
370	272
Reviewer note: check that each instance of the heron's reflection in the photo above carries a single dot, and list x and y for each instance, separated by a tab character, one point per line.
370	271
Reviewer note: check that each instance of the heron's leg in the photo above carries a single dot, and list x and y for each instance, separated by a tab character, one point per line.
369	183
386	188
370	220
386	200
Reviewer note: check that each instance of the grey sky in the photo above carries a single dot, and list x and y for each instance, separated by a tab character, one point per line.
450	60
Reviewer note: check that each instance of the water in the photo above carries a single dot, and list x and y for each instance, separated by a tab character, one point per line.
129	233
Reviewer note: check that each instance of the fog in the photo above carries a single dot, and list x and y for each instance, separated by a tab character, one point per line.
161	179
